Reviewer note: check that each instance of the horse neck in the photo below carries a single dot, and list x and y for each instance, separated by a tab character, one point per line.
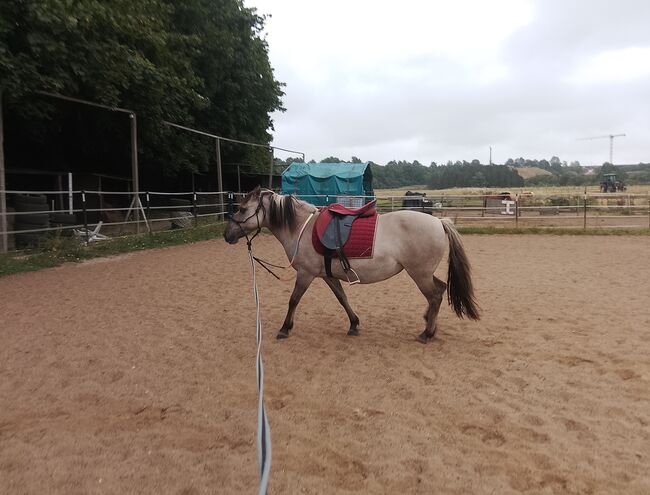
287	234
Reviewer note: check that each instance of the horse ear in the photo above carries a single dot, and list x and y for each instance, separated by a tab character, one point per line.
255	193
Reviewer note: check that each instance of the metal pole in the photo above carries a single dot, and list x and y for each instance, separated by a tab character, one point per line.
271	170
134	170
238	180
4	242
219	176
611	150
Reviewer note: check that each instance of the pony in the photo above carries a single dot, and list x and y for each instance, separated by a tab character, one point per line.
404	240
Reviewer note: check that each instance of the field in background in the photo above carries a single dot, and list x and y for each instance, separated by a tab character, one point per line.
540	190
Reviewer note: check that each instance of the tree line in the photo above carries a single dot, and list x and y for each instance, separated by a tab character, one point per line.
395	174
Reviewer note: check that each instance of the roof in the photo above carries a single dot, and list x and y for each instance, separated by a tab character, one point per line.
325	170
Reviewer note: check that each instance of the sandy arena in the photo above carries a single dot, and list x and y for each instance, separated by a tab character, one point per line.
136	374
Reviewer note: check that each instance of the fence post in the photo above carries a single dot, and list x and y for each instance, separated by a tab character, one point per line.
584	222
194	212
149	212
516	211
85	214
230	203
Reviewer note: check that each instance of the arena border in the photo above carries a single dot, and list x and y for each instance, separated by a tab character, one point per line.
63	251
66	250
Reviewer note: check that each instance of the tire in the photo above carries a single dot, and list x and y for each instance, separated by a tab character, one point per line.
180	204
37	219
63	219
31	207
25	199
28	240
30	226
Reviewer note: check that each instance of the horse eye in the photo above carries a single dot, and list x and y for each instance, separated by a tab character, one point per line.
242	209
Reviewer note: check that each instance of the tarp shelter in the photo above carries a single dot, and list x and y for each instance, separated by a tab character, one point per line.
325	183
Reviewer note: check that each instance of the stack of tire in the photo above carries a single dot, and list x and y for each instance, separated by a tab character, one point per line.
32	215
65	221
181	216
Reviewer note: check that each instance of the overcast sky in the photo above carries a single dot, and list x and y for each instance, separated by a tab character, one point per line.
445	80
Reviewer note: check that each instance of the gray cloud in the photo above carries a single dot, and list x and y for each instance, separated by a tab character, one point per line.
524	99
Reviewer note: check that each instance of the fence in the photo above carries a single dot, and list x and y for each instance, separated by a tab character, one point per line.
33	217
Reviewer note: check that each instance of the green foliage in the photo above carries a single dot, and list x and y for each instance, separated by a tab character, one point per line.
201	63
331	159
399	174
473	175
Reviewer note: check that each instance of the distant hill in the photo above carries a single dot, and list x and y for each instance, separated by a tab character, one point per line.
528	172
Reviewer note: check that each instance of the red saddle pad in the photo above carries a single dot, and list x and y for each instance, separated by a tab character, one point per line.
362	238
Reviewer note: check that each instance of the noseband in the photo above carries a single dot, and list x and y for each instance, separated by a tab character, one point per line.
260	206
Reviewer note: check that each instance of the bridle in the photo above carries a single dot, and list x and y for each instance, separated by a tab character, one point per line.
260	206
249	241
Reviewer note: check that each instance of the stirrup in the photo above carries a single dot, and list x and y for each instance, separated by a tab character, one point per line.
357	281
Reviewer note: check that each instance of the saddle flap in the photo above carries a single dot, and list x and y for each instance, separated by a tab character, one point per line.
337	232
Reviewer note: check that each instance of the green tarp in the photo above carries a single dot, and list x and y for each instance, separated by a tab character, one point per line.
321	183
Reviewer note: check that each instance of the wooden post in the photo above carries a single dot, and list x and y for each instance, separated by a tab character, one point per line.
271	170
70	198
517	211
59	185
134	171
194	212
85	214
584	222
219	176
4	242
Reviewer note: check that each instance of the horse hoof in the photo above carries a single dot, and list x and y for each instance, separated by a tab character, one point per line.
282	335
424	338
353	332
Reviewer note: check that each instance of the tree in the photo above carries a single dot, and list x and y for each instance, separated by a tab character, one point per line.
201	63
331	159
608	168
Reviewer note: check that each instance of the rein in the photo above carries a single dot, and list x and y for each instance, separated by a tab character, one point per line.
249	241
265	264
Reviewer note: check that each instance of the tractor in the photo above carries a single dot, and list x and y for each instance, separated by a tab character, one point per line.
611	184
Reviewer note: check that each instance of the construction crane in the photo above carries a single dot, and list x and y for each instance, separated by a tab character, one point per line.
611	143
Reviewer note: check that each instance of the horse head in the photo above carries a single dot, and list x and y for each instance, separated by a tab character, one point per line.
250	216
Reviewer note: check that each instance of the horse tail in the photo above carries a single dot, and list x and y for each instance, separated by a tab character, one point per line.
460	292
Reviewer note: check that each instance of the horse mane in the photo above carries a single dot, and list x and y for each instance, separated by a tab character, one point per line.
282	211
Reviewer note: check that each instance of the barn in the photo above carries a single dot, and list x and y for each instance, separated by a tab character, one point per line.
324	183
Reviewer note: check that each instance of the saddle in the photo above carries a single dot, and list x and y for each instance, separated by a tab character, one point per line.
334	234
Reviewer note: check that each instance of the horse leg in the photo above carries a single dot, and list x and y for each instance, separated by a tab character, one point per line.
303	281
337	288
432	288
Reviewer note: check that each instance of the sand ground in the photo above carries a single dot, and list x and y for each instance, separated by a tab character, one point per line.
135	374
